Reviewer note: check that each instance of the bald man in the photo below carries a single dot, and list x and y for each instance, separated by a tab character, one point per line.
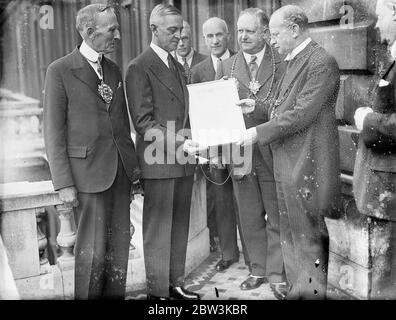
374	180
219	190
185	54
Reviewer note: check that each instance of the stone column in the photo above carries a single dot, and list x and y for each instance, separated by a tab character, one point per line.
67	236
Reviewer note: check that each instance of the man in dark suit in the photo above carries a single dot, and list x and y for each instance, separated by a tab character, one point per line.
91	154
219	194
185	54
256	68
158	101
374	179
303	134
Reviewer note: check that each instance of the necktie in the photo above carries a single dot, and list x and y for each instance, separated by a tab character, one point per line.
187	70
99	64
253	67
172	68
217	64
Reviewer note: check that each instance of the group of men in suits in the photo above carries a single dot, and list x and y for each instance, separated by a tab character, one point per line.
288	88
291	181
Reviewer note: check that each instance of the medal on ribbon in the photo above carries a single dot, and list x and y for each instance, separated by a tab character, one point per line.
105	92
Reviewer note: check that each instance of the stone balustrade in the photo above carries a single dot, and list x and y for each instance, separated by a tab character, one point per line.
25	206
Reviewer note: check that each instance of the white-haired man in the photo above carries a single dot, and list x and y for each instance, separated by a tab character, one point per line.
158	102
91	154
185	54
303	135
374	179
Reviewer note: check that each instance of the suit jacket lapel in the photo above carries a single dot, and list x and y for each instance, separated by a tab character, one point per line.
194	59
209	69
297	64
165	76
242	72
109	75
83	71
265	70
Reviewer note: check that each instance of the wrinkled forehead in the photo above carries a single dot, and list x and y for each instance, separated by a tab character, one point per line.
214	27
186	32
171	20
106	19
277	22
248	21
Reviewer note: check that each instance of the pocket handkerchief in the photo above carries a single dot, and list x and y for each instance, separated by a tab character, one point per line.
383	83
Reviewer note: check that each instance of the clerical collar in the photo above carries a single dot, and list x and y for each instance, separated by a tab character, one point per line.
88	52
298	49
393	51
188	57
259	55
161	53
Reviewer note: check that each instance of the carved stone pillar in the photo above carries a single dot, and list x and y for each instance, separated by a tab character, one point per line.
67	236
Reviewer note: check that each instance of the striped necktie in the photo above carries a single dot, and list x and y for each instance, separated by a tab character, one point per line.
173	69
253	66
187	70
99	66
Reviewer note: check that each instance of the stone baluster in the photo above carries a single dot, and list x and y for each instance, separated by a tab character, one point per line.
66	237
42	242
131	245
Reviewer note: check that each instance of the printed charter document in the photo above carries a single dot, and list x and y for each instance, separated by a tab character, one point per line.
214	116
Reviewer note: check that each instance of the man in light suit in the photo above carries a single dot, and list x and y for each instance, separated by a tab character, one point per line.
219	192
91	154
303	134
158	102
254	185
185	54
374	179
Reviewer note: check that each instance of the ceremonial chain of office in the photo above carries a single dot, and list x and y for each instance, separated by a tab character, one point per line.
258	89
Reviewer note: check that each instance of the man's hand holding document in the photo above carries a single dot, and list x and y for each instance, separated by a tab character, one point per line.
216	118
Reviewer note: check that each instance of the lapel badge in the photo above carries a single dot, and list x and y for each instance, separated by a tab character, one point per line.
254	87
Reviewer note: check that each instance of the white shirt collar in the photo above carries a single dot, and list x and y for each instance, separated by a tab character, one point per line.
215	60
298	49
161	53
88	52
188	58
393	51
259	55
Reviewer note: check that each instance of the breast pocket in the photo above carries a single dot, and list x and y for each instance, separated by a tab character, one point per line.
77	151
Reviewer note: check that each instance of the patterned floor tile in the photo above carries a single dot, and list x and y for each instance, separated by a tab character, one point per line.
212	285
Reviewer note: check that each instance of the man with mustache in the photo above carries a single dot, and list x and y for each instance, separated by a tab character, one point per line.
91	154
256	68
374	178
219	192
158	102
